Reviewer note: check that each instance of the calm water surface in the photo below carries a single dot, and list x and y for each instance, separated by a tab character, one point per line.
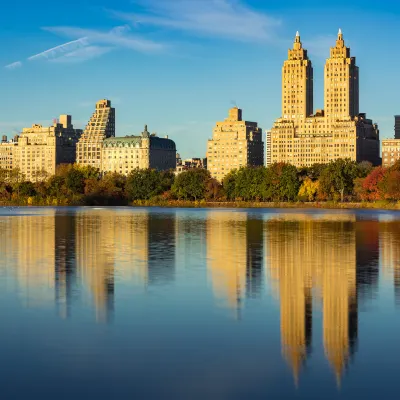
199	304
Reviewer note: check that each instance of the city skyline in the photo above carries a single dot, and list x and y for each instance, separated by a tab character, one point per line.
132	51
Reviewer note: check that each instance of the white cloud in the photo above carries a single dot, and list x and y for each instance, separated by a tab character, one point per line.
117	37
83	54
229	19
14	65
62	49
88	43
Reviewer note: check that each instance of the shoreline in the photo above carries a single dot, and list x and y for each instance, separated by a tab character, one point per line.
379	205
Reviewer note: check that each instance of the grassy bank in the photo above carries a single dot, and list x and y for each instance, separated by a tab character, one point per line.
382	205
378	205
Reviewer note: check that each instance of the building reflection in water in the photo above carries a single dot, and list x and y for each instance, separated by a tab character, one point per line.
389	238
330	256
330	261
95	257
234	257
65	262
28	247
58	256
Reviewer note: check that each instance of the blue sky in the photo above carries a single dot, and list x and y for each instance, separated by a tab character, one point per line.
179	65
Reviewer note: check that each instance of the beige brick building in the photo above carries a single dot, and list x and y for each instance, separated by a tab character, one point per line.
235	143
302	138
6	153
125	154
100	126
39	149
390	152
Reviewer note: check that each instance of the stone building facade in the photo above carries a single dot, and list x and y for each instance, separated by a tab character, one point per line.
100	126
38	150
6	153
235	143
390	152
125	154
302	138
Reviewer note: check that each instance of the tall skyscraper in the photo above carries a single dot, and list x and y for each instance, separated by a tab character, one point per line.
100	126
235	143
341	83
297	84
302	138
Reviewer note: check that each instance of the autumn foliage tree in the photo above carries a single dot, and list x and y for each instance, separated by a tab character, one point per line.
370	187
308	190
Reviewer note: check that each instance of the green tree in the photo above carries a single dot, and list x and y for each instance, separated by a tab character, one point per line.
364	168
191	184
281	182
214	189
248	183
229	185
313	172
56	186
26	189
148	183
110	190
74	181
337	179
15	177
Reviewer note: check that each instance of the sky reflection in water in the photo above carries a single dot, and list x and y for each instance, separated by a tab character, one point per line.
153	303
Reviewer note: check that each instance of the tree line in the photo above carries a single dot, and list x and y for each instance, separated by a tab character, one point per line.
340	180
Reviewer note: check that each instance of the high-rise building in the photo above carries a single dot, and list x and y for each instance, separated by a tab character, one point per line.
390	152
302	138
391	147
341	84
397	126
100	126
40	149
125	154
6	153
297	83
235	143
268	148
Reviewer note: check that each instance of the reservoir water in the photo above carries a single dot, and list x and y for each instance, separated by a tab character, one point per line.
125	303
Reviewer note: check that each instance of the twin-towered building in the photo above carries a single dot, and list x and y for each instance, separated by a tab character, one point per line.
300	136
303	138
